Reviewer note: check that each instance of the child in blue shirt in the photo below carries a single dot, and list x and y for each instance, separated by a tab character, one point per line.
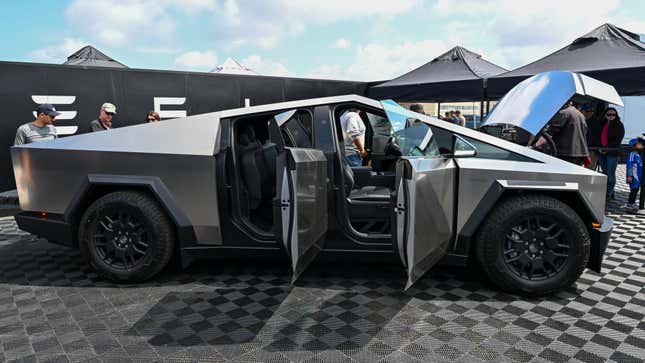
634	173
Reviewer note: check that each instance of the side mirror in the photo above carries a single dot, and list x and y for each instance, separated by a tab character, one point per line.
462	148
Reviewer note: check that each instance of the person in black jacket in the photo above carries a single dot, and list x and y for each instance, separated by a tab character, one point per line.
609	137
569	131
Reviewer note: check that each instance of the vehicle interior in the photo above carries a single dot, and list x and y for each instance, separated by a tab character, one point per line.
366	206
256	156
368	188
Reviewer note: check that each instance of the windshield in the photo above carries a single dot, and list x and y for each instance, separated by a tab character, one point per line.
412	134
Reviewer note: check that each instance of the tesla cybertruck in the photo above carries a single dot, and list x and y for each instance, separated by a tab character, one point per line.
271	181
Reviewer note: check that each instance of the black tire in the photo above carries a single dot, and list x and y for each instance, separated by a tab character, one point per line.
526	234
126	236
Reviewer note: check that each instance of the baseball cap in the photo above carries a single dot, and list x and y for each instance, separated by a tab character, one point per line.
47	109
635	141
586	107
108	107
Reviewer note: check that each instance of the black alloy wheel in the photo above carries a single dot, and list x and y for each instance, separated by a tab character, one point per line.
126	236
121	238
532	244
536	248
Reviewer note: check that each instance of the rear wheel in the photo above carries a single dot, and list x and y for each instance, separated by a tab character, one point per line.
533	245
126	236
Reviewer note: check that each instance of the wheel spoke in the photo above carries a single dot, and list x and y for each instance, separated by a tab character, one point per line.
134	247
536	247
106	226
112	226
536	266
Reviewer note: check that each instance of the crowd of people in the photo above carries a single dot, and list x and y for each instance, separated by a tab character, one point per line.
42	128
453	116
583	139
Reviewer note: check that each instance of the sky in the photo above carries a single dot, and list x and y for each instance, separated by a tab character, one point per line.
356	40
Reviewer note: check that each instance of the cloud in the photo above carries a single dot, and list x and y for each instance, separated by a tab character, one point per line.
58	53
342	43
158	50
264	67
518	34
327	71
197	60
124	22
375	61
265	23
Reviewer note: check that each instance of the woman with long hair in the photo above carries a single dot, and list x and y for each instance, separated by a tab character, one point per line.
610	138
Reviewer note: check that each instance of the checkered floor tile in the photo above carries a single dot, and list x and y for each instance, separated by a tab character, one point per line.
53	309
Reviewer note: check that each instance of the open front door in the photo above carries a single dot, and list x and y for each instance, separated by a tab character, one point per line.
300	206
423	214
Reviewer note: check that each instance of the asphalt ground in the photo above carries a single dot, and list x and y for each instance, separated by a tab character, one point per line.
52	308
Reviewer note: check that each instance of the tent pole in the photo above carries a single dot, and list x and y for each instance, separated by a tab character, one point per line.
438	109
481	103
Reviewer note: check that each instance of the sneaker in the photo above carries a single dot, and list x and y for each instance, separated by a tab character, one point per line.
641	212
630	206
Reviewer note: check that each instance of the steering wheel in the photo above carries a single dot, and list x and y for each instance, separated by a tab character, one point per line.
392	148
549	147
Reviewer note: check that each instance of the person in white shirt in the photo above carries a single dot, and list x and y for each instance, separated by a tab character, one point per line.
353	137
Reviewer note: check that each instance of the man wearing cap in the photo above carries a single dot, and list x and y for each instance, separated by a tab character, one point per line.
104	122
40	129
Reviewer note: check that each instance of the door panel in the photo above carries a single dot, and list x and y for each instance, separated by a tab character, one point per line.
301	205
424	213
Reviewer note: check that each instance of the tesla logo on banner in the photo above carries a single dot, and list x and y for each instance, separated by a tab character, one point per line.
64	115
161	101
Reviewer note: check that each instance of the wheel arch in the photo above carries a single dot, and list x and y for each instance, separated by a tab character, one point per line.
465	239
96	186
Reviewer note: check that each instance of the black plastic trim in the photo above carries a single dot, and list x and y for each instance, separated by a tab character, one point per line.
185	230
52	227
599	240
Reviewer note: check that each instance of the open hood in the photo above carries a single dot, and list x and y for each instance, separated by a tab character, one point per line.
534	101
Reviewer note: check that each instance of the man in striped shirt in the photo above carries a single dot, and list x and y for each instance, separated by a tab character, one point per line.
41	129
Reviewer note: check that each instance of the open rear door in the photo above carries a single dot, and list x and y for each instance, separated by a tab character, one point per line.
424	211
300	206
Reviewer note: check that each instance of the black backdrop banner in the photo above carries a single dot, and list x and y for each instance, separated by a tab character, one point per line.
79	92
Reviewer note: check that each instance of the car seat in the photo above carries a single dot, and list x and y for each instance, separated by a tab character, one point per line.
255	167
367	193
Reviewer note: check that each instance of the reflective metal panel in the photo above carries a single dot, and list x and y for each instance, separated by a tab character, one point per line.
534	101
49	180
476	176
600	90
309	180
193	135
429	198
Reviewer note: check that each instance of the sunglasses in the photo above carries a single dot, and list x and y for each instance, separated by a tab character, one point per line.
611	115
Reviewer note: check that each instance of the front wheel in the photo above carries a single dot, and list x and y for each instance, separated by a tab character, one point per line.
126	236
533	245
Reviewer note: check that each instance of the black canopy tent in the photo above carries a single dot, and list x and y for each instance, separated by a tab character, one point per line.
607	53
457	75
90	56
